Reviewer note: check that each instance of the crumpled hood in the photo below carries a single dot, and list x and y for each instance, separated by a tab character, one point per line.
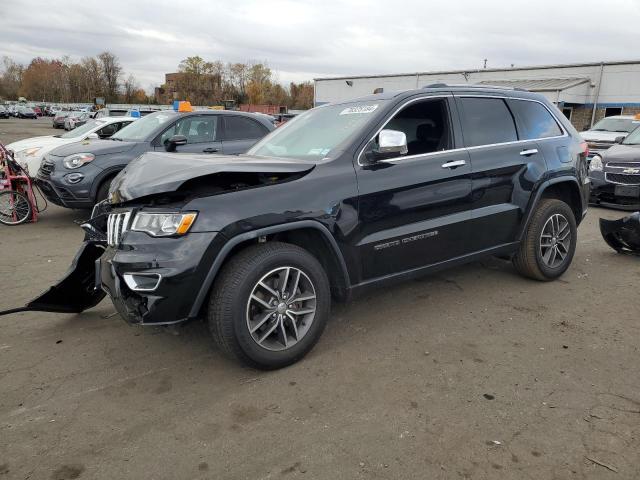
598	136
97	147
155	172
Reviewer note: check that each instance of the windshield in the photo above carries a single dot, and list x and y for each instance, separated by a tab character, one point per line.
140	130
633	138
314	134
83	129
611	124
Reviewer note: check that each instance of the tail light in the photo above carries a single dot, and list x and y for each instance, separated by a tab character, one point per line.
584	146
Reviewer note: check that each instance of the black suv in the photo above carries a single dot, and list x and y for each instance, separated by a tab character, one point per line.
78	175
342	198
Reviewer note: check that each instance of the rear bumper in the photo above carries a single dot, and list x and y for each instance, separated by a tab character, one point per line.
180	265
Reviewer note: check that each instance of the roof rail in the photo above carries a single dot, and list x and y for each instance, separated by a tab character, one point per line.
467	85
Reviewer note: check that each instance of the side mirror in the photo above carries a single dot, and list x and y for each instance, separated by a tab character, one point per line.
173	142
391	143
619	139
93	136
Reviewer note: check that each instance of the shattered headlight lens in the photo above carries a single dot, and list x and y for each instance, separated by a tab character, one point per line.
77	160
596	164
163	224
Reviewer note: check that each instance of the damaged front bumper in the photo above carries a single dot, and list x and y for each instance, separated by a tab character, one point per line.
622	235
151	281
156	281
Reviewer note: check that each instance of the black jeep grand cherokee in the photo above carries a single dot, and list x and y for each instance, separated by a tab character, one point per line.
342	198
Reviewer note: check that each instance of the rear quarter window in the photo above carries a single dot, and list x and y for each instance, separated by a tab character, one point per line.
241	128
534	119
486	121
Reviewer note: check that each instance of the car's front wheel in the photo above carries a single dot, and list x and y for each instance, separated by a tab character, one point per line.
549	241
269	305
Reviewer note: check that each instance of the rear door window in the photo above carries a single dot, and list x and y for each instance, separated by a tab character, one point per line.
242	128
535	120
486	121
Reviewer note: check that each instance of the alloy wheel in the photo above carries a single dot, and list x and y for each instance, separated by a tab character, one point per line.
555	240
281	308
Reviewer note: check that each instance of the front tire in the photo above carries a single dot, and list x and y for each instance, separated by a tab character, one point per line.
103	191
269	305
549	242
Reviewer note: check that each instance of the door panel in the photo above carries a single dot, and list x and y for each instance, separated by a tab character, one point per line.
413	213
501	182
501	165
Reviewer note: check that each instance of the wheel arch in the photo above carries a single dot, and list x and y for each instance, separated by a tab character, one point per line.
566	189
106	175
308	234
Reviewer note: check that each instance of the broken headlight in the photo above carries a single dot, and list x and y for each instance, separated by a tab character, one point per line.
163	224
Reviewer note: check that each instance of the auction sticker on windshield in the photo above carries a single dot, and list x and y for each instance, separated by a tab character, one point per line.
359	109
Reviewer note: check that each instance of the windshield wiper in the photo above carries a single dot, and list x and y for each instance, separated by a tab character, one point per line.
115	139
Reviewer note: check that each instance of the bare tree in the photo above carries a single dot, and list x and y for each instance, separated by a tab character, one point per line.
111	70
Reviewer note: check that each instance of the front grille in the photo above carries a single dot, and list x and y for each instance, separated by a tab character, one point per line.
46	167
622	179
624	164
117	225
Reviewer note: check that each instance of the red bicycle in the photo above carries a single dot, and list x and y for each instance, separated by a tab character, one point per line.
17	199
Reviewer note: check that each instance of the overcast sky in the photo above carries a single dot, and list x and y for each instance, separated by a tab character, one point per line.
304	39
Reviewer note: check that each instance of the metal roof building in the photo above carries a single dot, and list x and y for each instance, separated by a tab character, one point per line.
583	91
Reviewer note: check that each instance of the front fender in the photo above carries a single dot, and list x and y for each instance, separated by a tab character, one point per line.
254	234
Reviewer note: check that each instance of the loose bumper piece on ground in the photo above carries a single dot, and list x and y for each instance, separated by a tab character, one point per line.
76	291
622	235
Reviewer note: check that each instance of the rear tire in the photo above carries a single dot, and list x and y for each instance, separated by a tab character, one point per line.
253	314
549	242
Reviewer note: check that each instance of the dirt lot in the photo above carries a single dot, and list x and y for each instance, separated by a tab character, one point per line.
472	373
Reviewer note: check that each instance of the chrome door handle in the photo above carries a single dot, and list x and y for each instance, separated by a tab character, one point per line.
527	153
454	164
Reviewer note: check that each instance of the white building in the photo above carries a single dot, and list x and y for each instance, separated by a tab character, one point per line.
585	92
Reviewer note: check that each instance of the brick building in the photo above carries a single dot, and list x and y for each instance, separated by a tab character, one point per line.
584	91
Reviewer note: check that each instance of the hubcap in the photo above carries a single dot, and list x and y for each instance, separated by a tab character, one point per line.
555	240
281	308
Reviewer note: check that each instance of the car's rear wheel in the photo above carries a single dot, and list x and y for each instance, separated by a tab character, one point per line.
549	242
269	305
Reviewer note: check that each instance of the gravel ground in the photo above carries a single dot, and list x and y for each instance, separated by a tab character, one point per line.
471	373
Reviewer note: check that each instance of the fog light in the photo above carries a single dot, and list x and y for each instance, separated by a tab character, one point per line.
74	177
142	282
